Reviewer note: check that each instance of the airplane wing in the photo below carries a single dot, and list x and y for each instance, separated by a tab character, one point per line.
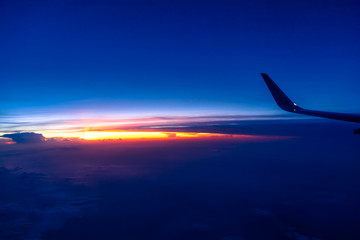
286	104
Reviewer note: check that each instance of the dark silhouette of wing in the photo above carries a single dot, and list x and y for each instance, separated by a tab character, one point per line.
286	104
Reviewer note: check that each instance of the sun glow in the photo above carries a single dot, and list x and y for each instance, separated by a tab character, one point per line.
122	135
125	135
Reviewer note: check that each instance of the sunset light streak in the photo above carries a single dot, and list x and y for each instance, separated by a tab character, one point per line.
117	127
131	135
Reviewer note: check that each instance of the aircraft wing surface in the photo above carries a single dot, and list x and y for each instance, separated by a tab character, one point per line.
286	104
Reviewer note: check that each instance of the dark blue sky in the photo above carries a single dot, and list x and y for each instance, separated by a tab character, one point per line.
206	54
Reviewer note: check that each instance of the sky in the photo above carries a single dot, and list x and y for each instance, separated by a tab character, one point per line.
150	120
175	58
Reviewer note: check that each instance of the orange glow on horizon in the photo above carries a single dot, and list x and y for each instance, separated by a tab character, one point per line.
132	135
99	135
143	135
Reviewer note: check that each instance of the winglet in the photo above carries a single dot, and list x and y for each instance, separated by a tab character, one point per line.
286	104
280	97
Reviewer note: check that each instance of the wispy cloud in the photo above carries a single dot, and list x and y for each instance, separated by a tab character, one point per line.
74	125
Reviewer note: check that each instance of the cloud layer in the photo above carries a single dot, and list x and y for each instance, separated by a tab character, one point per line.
26	137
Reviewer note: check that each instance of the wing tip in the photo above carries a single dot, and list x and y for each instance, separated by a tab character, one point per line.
264	75
279	96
